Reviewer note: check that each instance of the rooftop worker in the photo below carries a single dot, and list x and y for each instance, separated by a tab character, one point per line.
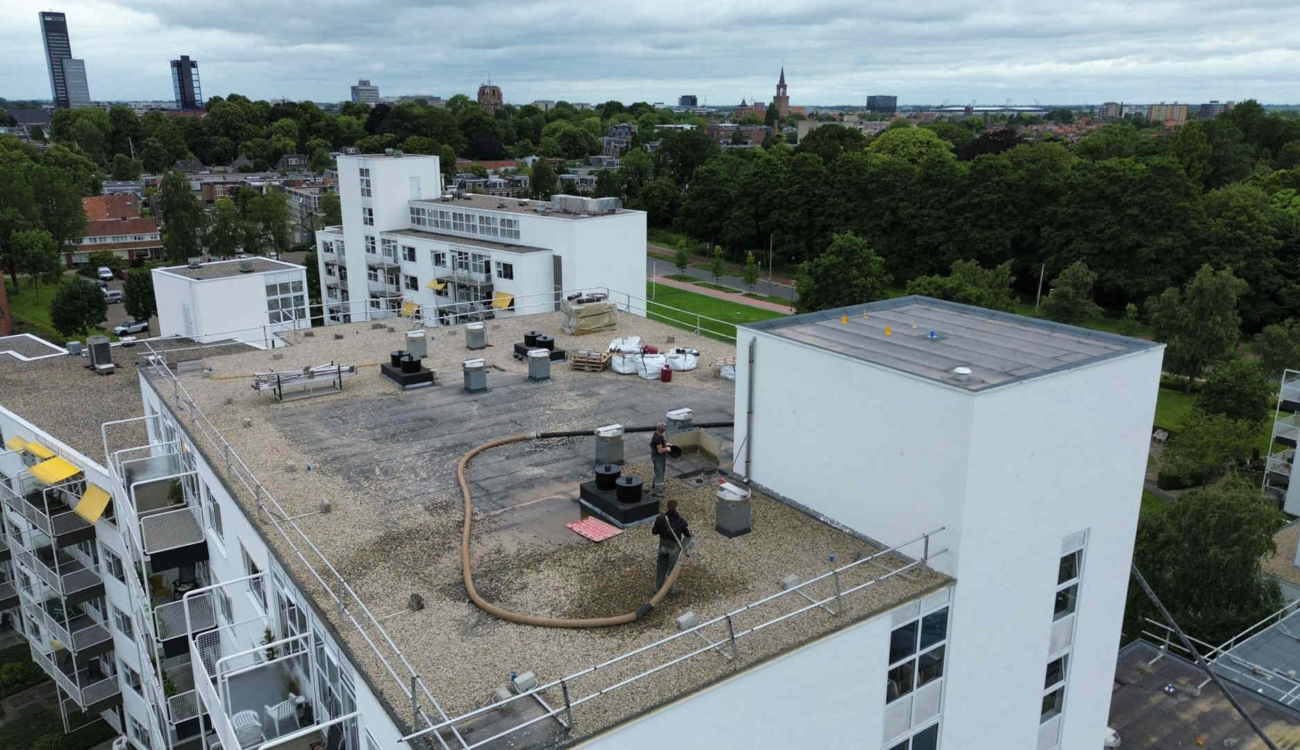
659	448
673	532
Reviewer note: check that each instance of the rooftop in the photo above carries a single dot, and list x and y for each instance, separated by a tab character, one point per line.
1147	717
487	244
513	205
998	348
1282	564
218	269
387	459
118	206
121	226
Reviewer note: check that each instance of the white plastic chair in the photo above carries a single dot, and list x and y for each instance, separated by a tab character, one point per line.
248	728
285	710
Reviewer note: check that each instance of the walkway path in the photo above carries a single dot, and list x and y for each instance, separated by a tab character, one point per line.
778	287
737	298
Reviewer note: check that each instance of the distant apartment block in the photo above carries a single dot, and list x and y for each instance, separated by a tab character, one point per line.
365	92
546	105
1214	108
1169	113
881	104
688	100
185	83
74	75
623	130
489	98
1110	111
114	225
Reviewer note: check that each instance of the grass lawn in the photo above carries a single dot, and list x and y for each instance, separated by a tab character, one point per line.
30	308
1110	325
769	298
24	731
720	309
1152	503
1173	406
716	287
669	239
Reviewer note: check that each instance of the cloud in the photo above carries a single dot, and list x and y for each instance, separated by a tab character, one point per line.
834	51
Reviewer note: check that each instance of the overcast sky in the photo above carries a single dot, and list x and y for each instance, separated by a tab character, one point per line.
835	51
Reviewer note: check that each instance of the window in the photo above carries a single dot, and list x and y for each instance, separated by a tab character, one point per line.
1055	673
1052	703
365	181
256	586
439	219
214	515
123	623
439	258
926	739
924	636
368	216
510	228
408	253
505	270
129	676
285	299
140	734
411	283
390	248
419	216
370	245
487	225
1068	573
114	565
1067	584
371	742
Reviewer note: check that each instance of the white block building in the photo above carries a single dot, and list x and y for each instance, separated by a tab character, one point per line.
404	241
253	300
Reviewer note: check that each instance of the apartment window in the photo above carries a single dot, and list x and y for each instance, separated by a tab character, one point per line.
370	245
390	248
256	586
510	228
365	181
129	676
1067	584
916	654
368	216
487	225
419	216
140	734
439	219
926	739
339	247
408	253
505	270
214	515
439	258
114	565
285	300
122	622
411	284
462	222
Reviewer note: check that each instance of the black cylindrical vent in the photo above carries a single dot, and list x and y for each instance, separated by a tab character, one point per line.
530	339
607	475
395	357
628	489
410	364
545	342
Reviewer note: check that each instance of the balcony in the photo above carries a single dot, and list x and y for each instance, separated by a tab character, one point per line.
89	687
5	553
1287	430
383	287
148	468
1278	467
80	632
171	627
48	509
381	260
173	538
8	595
466	278
65	574
1291	394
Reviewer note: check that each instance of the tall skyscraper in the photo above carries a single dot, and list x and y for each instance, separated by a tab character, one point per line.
54	33
74	77
185	83
365	93
882	104
688	100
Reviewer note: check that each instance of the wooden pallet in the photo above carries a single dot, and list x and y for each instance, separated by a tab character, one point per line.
589	361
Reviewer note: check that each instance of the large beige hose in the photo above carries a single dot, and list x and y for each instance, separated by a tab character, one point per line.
546	622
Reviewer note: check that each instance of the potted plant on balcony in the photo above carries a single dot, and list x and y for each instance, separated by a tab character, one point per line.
169	688
270	652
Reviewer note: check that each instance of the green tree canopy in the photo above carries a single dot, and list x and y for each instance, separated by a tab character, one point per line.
1199	324
331	209
544	180
36	254
750	273
182	218
848	273
914	145
137	294
1278	347
1070	300
1237	388
77	307
970	284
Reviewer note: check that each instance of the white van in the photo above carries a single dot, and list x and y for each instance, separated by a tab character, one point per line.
112	295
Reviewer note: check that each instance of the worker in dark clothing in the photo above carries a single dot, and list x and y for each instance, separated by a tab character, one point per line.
673	532
659	449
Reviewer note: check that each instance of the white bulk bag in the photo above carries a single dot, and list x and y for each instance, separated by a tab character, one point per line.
651	366
683	360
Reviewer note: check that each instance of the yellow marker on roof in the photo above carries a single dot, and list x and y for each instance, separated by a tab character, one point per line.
844	320
864	315
889	331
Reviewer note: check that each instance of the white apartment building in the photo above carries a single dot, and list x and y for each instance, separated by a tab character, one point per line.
974	476
403	240
252	300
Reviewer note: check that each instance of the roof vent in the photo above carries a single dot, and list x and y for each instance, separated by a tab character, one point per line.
196	262
246	266
964	376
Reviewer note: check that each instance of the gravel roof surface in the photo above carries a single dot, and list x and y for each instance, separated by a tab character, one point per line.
222	268
386	460
1282	564
27	346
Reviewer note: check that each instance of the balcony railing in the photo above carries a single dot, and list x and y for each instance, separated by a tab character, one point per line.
1287	428
170	529
183	707
70	577
44	508
80	633
170	618
8	595
380	260
1291	390
467	278
383	287
85	687
1280	463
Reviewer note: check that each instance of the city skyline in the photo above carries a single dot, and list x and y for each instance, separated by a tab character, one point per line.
924	53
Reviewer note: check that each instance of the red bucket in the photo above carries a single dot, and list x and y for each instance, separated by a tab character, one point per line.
666	374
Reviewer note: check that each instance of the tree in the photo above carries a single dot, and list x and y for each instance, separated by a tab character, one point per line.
750	273
970	284
226	231
331	210
829	141
58	200
848	273
681	259
716	268
1205	446
1278	347
182	218
36	254
659	198
78	307
155	156
1130	323
914	145
543	180
1237	389
607	185
125	168
1200	324
265	222
1070	300
772	117
137	294
105	258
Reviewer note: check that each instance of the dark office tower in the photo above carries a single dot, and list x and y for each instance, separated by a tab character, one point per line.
882	104
185	83
54	32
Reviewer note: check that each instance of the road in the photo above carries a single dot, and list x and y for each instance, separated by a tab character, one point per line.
656	267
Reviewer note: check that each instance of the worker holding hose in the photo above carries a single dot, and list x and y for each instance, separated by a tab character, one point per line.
659	449
673	533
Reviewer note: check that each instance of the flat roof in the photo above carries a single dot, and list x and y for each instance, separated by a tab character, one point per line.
387	458
998	348
455	239
1282	564
222	268
511	205
1147	717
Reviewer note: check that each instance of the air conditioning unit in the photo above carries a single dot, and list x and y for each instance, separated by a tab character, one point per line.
101	354
195	262
246	266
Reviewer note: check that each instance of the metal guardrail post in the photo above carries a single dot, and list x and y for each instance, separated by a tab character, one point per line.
342	607
568	706
731	634
415	702
839	596
925	554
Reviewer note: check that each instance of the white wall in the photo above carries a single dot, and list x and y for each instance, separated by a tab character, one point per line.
828	694
225	307
171	292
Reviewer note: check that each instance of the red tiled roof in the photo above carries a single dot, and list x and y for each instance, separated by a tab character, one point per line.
115	246
110	227
100	207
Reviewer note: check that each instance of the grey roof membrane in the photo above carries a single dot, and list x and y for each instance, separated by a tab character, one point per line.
1276	648
930	338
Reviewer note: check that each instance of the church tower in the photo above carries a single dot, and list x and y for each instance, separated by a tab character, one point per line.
782	99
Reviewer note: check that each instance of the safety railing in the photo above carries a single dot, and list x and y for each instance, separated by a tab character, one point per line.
1270	681
170	618
83	687
169	529
1280	463
1287	428
724	633
47	508
183	706
70	578
87	633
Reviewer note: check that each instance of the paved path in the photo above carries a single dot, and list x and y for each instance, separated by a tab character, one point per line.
737	298
779	287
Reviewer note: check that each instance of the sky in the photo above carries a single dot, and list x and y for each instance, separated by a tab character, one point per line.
834	51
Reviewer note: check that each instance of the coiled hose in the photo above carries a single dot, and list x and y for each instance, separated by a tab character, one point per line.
547	622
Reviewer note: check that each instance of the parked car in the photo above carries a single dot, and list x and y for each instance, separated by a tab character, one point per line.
112	295
132	326
105	273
